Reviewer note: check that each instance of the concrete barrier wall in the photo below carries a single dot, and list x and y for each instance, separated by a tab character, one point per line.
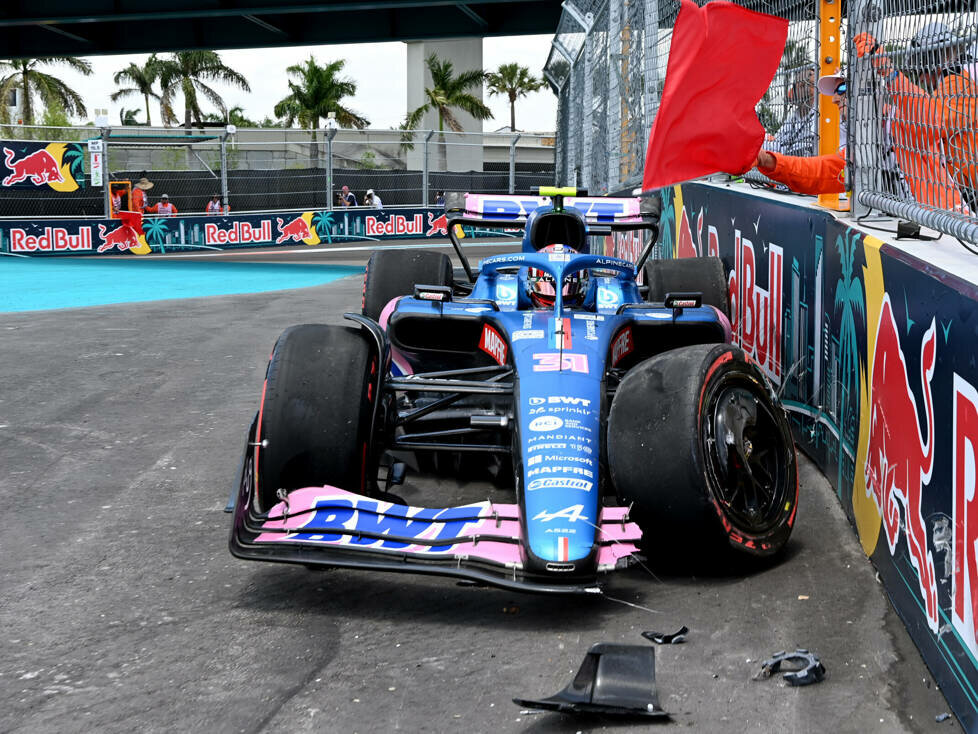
873	347
170	234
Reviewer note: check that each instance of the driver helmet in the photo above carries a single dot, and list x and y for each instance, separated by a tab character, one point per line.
541	284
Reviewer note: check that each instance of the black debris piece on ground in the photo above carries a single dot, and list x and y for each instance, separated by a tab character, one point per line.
804	666
662	638
613	679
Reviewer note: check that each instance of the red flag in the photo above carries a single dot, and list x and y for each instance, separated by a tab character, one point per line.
721	62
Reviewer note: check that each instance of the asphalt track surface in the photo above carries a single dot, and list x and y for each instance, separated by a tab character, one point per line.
121	609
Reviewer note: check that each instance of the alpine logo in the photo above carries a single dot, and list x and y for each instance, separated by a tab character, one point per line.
571	514
493	344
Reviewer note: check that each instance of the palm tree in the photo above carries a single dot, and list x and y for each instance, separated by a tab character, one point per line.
448	92
186	72
322	222
128	117
314	92
514	81
25	75
142	78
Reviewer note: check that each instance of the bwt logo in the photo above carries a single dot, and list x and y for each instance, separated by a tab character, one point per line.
755	313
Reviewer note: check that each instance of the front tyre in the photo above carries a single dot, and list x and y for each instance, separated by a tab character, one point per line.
316	411
698	442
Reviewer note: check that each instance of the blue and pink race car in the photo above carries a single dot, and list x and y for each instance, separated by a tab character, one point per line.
618	411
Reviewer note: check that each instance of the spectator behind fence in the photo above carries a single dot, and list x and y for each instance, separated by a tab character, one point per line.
941	114
371	199
347	198
798	134
163	208
440	199
214	205
823	174
139	190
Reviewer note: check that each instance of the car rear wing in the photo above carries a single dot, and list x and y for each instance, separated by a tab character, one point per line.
603	214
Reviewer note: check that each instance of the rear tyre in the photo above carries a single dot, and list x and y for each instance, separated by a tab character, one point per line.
698	443
701	274
316	410
393	273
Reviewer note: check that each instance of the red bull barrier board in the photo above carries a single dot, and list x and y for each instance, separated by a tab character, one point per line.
188	233
873	351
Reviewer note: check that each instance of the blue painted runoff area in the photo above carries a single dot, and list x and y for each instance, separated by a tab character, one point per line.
38	284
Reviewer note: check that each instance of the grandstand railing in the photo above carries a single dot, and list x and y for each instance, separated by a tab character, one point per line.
910	147
271	168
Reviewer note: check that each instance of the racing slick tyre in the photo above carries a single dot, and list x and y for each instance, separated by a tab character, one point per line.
701	274
701	446
393	273
316	411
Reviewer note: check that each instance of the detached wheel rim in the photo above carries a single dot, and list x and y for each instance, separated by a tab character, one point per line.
747	457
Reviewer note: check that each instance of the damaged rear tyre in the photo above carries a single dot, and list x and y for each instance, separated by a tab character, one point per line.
699	444
316	411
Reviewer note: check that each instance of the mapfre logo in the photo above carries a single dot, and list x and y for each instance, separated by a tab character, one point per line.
493	344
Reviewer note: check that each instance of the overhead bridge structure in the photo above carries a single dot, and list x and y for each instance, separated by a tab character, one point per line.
93	27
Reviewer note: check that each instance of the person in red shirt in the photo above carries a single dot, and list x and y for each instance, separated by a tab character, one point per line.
820	174
139	194
164	208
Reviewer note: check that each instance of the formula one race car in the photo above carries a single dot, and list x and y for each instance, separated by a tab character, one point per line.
610	414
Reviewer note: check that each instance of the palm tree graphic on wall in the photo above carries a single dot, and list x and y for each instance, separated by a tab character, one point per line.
74	156
156	231
322	222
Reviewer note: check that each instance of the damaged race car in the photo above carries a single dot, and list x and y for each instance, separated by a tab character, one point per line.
612	408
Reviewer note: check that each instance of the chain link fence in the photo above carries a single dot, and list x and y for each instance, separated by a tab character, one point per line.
910	136
265	169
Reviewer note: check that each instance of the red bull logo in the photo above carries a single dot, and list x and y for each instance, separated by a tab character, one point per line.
437	225
394	225
54	239
964	520
240	232
297	230
756	313
898	460
40	167
124	237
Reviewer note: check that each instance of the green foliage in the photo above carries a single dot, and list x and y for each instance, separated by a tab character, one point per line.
314	92
513	81
34	85
449	92
141	80
368	160
187	73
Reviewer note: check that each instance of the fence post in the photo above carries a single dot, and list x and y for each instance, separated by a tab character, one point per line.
330	134
224	171
424	171
106	188
512	164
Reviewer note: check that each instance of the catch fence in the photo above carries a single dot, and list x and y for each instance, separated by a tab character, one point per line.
68	172
910	136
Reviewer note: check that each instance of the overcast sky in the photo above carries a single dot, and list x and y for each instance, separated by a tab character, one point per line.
377	69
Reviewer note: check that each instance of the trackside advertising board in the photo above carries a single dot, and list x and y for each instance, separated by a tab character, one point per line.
186	233
873	351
